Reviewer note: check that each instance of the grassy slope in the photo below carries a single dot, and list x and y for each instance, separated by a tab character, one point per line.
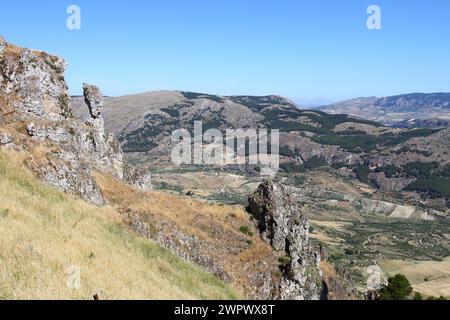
43	232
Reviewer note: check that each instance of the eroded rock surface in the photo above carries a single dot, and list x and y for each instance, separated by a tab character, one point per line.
286	229
34	95
94	100
32	82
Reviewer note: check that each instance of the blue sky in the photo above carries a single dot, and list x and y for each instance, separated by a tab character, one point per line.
311	51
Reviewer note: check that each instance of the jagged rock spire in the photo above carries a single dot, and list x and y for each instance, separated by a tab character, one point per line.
94	99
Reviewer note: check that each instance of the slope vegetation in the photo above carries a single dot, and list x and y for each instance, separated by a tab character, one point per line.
44	232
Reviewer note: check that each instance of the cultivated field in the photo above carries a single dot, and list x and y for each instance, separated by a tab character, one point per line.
431	278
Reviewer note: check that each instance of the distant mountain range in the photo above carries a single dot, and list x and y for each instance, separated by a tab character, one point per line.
371	152
415	110
407	110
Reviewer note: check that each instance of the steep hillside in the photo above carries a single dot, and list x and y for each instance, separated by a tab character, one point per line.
44	232
408	110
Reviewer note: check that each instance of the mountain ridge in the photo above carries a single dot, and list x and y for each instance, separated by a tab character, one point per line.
308	138
425	108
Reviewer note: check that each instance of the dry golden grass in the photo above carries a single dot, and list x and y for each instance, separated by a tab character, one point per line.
43	232
217	226
178	209
337	225
12	49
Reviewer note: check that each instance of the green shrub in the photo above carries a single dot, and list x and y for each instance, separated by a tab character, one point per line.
284	261
4	213
418	296
398	288
244	229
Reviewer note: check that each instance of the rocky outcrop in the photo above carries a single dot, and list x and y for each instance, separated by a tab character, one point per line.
33	92
141	179
286	229
32	82
94	100
5	139
220	249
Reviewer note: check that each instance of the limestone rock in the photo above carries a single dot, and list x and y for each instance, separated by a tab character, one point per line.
94	99
140	179
33	88
286	229
5	138
2	44
33	83
65	172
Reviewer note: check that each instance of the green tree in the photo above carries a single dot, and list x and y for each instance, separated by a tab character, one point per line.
398	288
362	172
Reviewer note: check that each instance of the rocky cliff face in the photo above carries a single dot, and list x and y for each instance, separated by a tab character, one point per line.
37	117
286	229
32	82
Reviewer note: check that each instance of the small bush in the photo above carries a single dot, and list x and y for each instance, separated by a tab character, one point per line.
418	296
349	252
4	213
284	261
244	229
